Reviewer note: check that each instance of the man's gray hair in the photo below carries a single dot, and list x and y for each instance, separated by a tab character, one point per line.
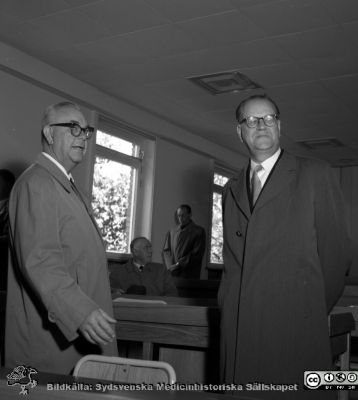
51	111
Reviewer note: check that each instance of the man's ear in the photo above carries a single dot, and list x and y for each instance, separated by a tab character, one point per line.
47	132
239	132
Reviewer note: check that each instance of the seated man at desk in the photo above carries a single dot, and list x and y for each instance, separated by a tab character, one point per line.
140	275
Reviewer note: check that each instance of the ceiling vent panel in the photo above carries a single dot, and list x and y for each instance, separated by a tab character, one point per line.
321	144
225	82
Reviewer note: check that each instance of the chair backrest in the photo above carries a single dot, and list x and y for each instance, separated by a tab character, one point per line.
125	370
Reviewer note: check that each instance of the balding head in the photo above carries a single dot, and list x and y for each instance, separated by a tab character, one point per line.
141	249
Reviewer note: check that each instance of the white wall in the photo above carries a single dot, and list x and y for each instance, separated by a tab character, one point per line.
21	107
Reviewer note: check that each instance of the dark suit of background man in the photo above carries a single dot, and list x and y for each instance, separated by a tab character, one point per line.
59	304
285	259
184	246
142	276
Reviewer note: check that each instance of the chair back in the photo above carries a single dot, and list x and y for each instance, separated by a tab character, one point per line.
124	370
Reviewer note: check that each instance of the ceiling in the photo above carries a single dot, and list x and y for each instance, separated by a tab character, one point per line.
303	53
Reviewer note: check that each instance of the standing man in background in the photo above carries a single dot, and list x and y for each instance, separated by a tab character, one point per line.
286	253
59	304
184	246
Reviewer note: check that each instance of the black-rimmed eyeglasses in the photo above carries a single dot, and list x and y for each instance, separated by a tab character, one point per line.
76	129
252	121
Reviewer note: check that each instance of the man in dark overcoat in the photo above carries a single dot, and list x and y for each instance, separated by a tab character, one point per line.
286	253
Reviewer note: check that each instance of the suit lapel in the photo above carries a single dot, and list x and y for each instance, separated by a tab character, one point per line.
280	177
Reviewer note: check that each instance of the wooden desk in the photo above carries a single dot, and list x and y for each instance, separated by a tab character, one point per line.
349	303
353	310
184	332
92	392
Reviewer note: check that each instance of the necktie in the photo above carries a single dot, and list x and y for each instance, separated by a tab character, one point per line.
141	268
89	212
78	194
255	184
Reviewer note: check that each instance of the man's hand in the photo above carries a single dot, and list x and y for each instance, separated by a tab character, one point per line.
173	267
96	327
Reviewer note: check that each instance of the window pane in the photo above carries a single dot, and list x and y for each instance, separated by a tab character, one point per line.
216	245
116	143
112	202
220	179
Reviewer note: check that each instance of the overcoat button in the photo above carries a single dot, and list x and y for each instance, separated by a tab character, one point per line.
238	233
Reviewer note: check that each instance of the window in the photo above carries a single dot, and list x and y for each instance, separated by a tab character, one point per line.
117	167
216	237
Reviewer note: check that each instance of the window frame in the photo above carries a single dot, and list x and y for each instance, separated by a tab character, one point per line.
228	173
116	129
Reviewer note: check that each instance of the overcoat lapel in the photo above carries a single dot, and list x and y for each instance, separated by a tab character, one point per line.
54	171
239	191
62	179
280	177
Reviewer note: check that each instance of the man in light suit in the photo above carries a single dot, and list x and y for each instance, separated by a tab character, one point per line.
59	303
286	253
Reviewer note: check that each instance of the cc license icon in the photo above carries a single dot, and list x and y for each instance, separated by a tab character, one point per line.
313	380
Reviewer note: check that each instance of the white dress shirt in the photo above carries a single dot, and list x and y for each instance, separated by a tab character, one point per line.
267	166
61	167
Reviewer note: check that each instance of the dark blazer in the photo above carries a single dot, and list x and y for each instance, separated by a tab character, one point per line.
285	265
155	278
58	273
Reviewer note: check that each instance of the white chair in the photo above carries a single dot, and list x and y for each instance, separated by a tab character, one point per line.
125	370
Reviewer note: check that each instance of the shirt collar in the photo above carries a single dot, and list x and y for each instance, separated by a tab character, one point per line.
137	264
61	167
189	224
268	163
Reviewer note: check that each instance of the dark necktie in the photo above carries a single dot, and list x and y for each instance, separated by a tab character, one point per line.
78	194
255	184
140	268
